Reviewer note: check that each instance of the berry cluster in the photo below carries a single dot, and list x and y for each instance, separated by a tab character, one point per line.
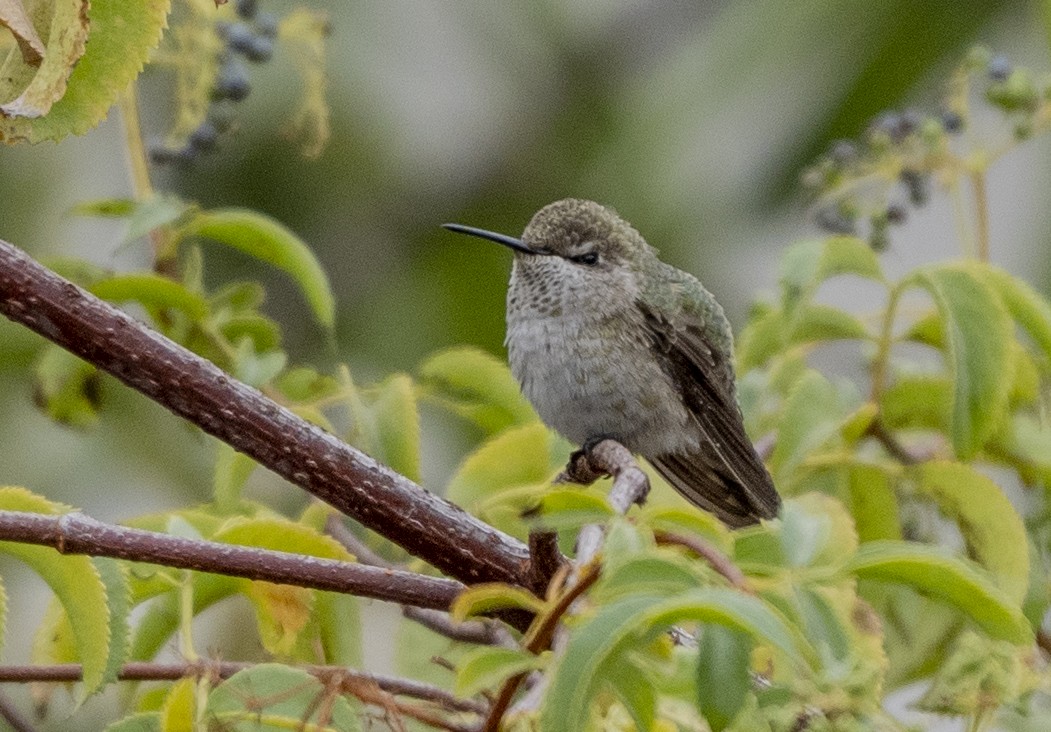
251	37
864	187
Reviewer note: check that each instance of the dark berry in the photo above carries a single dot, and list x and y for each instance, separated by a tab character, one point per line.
247	8
952	122
161	154
834	221
916	184
896	213
999	68
203	139
266	25
260	49
909	122
232	82
239	37
221	115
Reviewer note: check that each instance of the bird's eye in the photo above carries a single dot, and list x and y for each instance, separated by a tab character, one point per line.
588	258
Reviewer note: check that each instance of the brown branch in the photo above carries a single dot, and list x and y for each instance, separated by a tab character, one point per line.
1043	641
890	443
630	486
485	632
427	526
545	560
14	718
75	533
149	671
539	640
715	558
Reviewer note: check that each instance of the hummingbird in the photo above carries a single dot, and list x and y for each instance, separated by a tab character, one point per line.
609	342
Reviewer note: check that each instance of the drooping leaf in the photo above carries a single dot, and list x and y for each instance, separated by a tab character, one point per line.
231	472
807	264
397	425
567	508
120	37
873	503
270	241
979	335
484	598
487	667
152	291
179	709
143	216
515	457
477	386
723	674
580	673
811	417
67	388
651	573
937	573
1029	309
988	521
918	402
816	323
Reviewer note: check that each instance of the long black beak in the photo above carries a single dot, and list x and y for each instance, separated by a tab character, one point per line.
508	241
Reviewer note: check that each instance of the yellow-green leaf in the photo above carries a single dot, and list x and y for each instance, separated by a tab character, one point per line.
477	386
485	598
489	666
992	528
979	333
268	240
152	291
516	457
397	425
120	38
935	572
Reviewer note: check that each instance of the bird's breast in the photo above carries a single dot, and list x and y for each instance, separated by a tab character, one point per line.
594	374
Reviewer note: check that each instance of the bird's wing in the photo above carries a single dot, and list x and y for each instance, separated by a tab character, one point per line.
725	475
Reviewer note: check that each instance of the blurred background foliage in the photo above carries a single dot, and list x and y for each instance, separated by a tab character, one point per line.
693	120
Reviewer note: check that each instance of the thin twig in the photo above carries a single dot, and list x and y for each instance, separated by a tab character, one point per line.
75	533
890	443
14	718
479	631
424	524
540	639
715	558
149	671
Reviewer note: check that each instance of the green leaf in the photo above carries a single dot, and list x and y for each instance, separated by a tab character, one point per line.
397	425
67	388
635	691
616	628
281	535
1029	309
761	339
873	503
515	457
160	620
143	216
807	264
688	521
477	386
120	38
723	674
979	337
811	417
232	470
482	599
489	666
918	402
152	291
568	508
272	697
654	574
84	596
338	619
268	240
992	528
815	323
956	581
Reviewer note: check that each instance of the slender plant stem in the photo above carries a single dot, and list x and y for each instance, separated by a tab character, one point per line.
959	217
981	213
886	339
135	150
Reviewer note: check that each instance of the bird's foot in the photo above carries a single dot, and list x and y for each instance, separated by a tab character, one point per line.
603	456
